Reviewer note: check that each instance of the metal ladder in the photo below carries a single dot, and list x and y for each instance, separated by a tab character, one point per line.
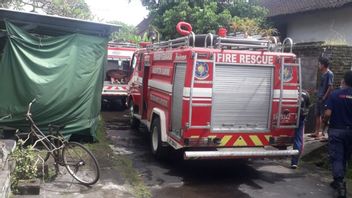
191	104
214	41
242	43
284	84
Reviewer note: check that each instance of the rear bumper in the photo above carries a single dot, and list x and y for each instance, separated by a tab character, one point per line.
114	94
238	153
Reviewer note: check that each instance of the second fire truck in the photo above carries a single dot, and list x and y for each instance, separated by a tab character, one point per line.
117	70
217	96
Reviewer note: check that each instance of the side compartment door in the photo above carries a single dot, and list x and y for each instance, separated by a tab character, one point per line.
177	97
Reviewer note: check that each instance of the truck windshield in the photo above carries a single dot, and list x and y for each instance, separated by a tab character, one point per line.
117	71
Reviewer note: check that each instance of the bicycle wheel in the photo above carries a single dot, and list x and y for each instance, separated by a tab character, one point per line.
80	163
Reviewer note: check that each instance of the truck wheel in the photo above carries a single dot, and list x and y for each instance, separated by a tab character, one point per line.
134	122
123	103
157	147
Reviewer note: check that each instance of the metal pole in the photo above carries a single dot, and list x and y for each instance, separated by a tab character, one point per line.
191	90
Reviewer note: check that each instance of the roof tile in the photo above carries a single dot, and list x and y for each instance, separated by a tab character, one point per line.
285	7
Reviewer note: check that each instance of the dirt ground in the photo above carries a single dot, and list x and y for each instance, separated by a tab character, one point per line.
128	169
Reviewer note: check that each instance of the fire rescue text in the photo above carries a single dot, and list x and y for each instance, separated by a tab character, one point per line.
244	58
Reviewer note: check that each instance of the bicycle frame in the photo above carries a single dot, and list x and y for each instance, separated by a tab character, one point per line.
57	146
42	138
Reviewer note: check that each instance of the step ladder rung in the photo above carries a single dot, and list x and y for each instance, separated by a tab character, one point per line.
290	105
287	126
282	105
199	127
205	60
201	105
291	84
191	102
291	64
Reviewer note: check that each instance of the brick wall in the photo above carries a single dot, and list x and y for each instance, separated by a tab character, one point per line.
341	61
340	56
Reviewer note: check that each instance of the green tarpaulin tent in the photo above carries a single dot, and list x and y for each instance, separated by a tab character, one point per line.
63	73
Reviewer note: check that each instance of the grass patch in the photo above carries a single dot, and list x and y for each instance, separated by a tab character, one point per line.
349	170
122	163
320	158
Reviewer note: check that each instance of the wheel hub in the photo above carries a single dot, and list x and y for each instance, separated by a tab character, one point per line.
131	113
155	138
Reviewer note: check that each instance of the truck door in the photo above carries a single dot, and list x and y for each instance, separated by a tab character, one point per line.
143	73
135	80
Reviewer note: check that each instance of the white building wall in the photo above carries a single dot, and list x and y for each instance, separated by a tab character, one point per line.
333	26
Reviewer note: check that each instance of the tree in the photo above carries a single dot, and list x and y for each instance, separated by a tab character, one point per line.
67	8
5	3
126	34
207	15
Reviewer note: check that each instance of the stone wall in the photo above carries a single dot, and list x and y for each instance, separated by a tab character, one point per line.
341	61
6	147
340	56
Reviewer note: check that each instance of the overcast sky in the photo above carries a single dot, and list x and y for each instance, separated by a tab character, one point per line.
120	10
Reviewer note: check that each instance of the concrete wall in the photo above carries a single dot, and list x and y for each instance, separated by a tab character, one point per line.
332	25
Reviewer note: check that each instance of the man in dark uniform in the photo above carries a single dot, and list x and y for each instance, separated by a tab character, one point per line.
339	111
298	140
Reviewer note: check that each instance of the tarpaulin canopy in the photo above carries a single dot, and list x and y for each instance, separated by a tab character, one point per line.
63	73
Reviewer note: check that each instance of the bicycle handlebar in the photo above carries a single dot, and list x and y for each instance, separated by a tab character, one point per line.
6	117
28	114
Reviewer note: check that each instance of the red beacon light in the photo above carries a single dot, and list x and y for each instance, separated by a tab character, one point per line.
144	44
222	32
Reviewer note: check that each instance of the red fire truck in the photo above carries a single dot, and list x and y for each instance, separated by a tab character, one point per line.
117	71
217	97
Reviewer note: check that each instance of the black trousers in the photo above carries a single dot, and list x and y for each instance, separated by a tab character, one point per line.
340	145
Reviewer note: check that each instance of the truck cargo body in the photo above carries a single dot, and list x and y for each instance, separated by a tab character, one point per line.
217	103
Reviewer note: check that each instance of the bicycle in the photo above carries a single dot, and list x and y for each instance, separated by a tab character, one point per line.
77	159
6	117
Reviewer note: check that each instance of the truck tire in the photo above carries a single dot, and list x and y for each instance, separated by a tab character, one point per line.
158	149
123	103
134	122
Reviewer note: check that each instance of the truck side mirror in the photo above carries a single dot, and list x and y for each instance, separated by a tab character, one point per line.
133	62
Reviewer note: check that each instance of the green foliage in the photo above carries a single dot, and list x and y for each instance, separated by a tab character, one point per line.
206	15
66	8
137	38
5	3
120	163
207	19
126	34
244	9
25	164
251	27
69	8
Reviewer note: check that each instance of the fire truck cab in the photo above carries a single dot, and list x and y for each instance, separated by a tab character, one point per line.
217	97
117	71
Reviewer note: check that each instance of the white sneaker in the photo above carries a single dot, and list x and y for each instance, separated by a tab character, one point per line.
294	166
